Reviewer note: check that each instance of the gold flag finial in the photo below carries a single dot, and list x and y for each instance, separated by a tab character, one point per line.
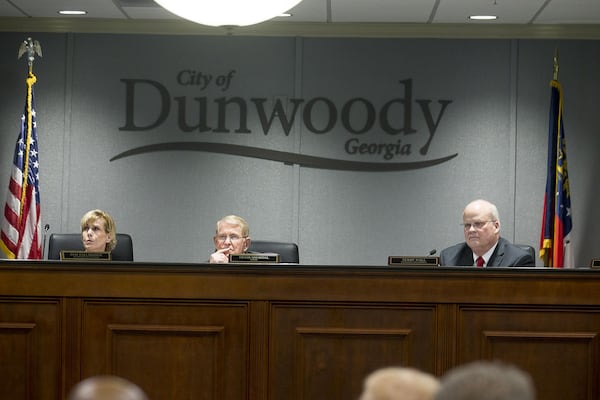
555	76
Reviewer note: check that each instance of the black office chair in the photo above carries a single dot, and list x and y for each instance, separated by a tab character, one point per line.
288	252
72	241
527	248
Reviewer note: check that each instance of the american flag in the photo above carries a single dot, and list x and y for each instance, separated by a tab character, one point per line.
21	224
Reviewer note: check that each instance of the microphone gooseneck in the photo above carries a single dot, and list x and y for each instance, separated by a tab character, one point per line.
46	228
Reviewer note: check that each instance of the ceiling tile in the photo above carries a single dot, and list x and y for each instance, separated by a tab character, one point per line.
508	11
409	11
8	10
50	8
149	13
570	12
308	11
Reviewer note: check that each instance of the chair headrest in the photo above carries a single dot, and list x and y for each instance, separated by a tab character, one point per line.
72	241
288	252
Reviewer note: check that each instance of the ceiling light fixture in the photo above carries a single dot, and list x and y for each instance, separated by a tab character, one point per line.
227	12
72	12
483	17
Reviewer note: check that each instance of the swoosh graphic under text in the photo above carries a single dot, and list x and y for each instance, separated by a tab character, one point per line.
282	156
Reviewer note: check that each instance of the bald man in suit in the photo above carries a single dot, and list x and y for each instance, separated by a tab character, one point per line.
483	245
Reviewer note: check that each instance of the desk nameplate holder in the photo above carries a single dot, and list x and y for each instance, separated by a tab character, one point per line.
80	255
412	261
255	258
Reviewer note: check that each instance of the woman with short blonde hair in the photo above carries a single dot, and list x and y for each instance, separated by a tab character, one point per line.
98	231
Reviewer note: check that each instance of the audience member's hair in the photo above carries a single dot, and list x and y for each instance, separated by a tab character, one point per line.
106	388
396	383
486	380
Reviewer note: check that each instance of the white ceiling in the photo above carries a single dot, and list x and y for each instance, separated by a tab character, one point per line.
566	14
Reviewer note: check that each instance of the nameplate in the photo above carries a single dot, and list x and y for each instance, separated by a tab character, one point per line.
256	258
79	255
595	263
410	261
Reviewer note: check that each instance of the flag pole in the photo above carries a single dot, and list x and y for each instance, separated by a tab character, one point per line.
555	75
31	47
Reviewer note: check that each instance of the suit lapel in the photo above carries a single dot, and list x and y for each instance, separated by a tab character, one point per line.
466	256
497	255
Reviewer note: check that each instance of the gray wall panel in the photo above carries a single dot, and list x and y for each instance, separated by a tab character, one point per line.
496	123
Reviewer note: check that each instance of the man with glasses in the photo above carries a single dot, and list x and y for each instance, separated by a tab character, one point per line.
232	237
483	246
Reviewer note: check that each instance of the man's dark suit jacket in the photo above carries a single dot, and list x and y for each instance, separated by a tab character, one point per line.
505	255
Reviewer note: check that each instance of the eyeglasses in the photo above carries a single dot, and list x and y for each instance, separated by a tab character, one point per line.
476	225
232	238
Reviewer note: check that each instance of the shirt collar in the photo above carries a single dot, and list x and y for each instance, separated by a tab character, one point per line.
486	256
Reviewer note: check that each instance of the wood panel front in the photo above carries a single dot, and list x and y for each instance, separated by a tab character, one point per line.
259	332
172	350
30	348
561	356
325	350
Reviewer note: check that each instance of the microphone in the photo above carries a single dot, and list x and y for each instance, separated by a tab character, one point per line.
46	228
432	252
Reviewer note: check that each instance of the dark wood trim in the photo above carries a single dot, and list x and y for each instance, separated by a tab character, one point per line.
267	331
